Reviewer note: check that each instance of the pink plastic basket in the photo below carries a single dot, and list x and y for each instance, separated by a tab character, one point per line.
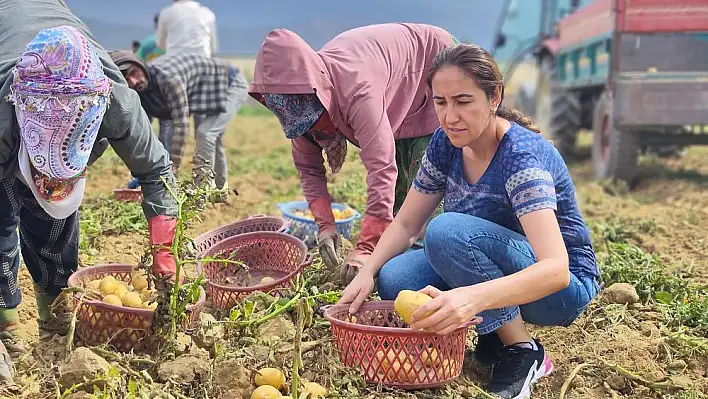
375	340
124	328
128	195
266	253
248	225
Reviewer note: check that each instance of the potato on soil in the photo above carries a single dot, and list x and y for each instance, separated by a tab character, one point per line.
265	392
314	389
270	376
407	302
108	285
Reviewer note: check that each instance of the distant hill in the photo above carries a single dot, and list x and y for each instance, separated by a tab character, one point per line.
243	25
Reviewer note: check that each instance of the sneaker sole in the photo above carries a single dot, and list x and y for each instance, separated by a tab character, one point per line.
543	371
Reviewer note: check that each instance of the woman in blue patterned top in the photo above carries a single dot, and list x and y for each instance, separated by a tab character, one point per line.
511	246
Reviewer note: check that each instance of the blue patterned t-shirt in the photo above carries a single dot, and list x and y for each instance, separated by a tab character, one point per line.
526	174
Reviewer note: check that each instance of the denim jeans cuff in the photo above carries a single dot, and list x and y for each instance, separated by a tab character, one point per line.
506	317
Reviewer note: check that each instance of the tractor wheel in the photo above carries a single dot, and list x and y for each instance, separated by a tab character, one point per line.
558	111
614	152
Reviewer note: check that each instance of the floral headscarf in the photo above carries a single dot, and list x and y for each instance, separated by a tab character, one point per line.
297	114
60	95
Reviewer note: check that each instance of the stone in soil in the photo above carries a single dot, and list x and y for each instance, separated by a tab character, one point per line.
232	379
621	293
184	369
276	329
81	366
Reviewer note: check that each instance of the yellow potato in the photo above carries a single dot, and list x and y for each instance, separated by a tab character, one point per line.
120	290
132	300
266	280
270	376
139	280
94	285
430	357
265	392
407	302
112	300
315	390
150	305
108	285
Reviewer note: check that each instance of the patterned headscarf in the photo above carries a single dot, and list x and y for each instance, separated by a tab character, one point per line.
60	95
297	114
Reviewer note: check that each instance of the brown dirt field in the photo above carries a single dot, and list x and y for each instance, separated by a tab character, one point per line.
671	197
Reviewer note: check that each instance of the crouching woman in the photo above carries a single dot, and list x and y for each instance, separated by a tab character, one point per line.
511	247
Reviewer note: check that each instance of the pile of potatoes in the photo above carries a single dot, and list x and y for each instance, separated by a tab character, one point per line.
345	213
135	294
271	380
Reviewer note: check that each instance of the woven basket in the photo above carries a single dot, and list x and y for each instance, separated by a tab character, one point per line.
274	254
248	225
124	328
375	341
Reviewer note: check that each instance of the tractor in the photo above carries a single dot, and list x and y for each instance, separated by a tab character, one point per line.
634	72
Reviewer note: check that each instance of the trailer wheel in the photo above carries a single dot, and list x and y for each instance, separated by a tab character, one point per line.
558	111
614	152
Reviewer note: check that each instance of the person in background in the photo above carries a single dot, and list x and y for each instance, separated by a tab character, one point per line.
175	86
148	51
511	246
135	45
366	86
187	27
52	71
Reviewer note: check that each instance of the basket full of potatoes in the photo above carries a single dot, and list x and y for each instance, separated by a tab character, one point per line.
116	306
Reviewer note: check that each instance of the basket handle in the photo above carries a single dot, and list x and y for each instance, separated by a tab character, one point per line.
308	259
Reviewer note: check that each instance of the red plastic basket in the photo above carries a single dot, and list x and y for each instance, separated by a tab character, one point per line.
128	195
275	254
124	328
375	340
248	225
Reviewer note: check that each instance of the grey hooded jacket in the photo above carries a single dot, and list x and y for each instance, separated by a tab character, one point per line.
125	125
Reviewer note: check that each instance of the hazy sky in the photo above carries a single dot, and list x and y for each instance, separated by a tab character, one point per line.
242	25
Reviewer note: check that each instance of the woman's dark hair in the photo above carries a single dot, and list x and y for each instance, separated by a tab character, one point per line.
476	63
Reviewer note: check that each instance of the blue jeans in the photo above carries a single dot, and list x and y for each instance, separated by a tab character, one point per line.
462	250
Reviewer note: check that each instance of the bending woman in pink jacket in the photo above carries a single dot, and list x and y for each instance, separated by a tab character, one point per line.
366	86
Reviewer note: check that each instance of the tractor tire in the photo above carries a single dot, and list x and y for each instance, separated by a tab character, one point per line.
566	120
614	152
558	112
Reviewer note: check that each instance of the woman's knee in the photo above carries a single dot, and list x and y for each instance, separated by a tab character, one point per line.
391	279
408	271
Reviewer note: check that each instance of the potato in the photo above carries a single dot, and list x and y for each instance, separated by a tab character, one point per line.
94	285
430	357
120	290
132	300
407	302
112	300
108	285
314	389
266	280
270	376
139	280
149	305
265	392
